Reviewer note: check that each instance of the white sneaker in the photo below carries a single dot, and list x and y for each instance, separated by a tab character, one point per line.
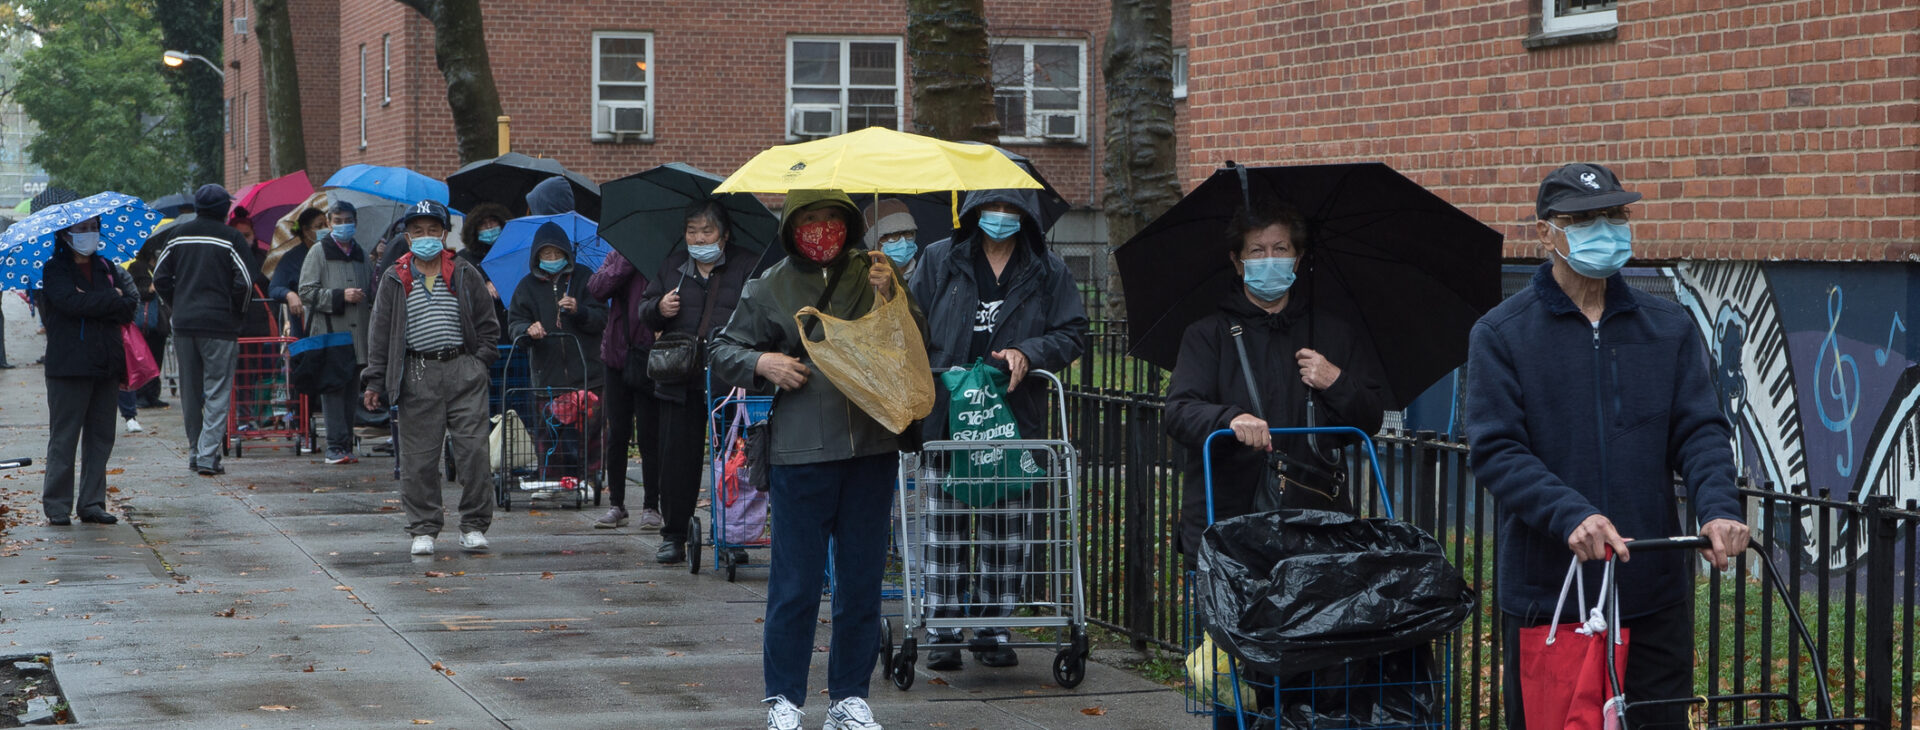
851	713
781	714
473	540
422	545
133	425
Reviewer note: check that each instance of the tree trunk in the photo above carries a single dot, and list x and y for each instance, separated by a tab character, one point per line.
952	70
1141	180
280	75
460	49
193	26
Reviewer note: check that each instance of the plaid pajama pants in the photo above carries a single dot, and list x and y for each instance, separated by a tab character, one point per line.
981	580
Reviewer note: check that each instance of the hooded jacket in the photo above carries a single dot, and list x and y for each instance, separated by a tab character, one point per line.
552	196
1567	420
1208	389
387	332
325	276
721	290
568	357
474	252
623	287
1042	317
204	276
83	316
815	423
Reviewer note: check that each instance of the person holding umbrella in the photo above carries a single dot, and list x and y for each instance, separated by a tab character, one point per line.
335	286
87	299
561	325
693	295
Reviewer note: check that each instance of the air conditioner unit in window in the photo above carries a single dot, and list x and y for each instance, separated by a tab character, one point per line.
1065	125
240	25
624	118
814	120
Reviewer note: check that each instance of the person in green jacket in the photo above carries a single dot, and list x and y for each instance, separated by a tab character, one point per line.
832	466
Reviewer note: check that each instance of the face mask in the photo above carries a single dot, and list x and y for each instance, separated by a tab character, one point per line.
999	226
900	251
343	232
488	236
85	243
1268	279
423	247
554	266
704	254
820	242
1598	249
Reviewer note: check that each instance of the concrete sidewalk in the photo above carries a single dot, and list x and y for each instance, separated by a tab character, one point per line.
282	595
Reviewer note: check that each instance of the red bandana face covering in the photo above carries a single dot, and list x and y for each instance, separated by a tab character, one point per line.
820	242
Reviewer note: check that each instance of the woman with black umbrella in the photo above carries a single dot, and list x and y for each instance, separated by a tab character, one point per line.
1305	356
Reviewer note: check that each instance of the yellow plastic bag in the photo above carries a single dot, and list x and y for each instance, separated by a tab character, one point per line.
878	361
1212	683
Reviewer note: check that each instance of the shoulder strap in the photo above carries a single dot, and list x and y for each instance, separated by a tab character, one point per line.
706	308
1246	368
832	282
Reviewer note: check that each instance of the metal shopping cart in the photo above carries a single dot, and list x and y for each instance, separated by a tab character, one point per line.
738	512
1235	696
265	409
557	449
1040	525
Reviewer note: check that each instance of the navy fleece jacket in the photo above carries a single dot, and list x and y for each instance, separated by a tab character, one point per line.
1567	420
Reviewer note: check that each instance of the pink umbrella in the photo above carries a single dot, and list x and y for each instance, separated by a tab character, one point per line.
267	202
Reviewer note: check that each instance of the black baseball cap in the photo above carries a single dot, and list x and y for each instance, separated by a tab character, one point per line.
1578	188
428	209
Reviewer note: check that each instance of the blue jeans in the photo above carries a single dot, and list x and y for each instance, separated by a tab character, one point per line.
849	501
127	409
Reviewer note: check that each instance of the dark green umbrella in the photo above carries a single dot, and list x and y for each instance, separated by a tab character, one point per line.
645	214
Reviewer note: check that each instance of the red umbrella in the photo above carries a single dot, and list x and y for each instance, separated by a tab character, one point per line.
267	202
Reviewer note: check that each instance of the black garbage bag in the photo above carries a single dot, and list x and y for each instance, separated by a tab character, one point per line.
1294	590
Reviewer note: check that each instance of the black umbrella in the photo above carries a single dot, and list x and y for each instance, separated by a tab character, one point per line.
933	212
1407	268
647	215
52	196
170	206
508	178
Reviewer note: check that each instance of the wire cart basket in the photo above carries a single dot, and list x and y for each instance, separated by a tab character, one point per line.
739	517
551	440
266	412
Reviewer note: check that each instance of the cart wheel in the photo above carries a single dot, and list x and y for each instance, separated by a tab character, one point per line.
901	669
886	644
732	567
693	545
1069	667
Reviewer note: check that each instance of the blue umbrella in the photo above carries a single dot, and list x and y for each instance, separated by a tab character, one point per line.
392	183
26	246
506	264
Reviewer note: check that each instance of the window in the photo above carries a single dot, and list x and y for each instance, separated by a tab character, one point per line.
1038	90
837	85
622	86
363	96
386	69
1575	16
1179	73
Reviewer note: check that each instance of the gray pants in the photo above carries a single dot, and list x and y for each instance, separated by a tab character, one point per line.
206	394
82	411
444	404
340	408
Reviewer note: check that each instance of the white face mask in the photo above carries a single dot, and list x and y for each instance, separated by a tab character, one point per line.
85	243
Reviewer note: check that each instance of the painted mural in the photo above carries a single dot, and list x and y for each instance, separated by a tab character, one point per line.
1816	370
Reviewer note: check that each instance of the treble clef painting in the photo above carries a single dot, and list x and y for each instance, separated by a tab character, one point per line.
1839	384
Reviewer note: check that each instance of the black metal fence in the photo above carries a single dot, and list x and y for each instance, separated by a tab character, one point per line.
1850	565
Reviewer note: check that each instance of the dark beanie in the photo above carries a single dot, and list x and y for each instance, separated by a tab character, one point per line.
211	199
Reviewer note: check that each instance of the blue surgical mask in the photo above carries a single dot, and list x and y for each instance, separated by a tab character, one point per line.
85	243
900	251
424	247
999	226
1268	279
704	254
554	266
1598	249
343	232
488	235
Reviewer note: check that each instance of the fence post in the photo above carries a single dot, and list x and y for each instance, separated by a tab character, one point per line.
1137	583
1426	465
1881	536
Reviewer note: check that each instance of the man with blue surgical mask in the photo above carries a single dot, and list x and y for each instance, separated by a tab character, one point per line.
1585	397
895	234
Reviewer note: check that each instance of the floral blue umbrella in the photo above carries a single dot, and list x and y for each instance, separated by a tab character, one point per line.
26	246
507	262
392	183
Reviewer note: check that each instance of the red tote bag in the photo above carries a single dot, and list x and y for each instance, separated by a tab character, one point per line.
141	367
1563	667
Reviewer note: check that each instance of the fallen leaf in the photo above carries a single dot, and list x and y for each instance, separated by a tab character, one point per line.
938	681
675	653
115	472
277	708
544	575
309	669
418	721
1093	710
515	679
536	513
224	614
693	684
436	574
56	581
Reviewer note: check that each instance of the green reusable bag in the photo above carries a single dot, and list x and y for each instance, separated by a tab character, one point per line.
977	411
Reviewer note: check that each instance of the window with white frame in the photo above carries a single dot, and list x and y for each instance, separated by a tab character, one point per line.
1179	73
386	69
1574	16
837	85
622	85
1039	90
363	96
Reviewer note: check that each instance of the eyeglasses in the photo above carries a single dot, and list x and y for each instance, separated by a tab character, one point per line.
1618	216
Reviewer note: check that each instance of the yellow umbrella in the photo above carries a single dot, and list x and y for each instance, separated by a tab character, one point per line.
877	160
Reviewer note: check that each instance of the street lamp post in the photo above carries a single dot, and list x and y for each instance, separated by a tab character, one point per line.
176	59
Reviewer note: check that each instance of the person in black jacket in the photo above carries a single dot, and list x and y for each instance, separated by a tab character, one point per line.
87	300
693	293
553	316
202	273
478	231
1297	353
284	284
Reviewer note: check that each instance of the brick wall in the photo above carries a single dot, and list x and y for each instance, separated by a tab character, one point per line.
1767	129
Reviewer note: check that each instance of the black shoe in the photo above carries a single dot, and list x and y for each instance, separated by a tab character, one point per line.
98	517
155	403
7	365
207	470
1001	657
943	659
671	553
58	521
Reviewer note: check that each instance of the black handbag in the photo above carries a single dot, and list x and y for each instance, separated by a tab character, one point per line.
1286	481
676	355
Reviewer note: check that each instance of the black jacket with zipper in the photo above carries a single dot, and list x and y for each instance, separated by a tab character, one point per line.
721	287
83	316
204	276
573	340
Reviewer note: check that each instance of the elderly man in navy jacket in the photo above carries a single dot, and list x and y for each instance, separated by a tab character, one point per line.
1585	397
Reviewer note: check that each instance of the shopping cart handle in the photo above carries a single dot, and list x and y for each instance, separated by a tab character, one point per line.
1685	542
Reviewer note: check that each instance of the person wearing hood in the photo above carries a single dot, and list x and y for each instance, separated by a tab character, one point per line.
694	293
478	231
87	300
203	274
894	233
992	292
832	465
429	344
335	285
551	196
554	317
